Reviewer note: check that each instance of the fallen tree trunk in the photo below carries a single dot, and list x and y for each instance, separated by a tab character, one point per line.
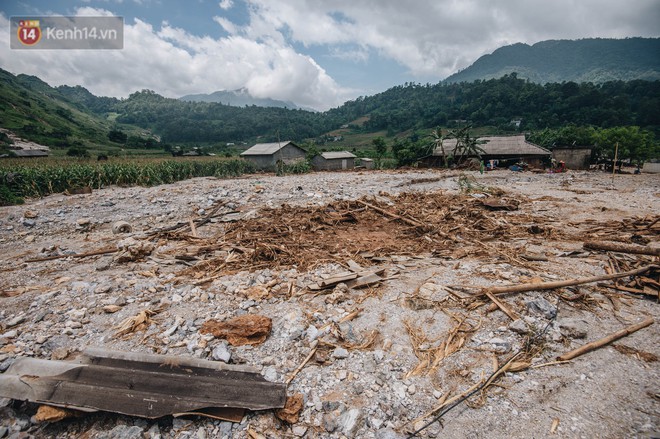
606	340
622	248
562	283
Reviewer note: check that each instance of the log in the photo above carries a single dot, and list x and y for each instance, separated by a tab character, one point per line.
606	340
384	212
622	248
512	315
562	283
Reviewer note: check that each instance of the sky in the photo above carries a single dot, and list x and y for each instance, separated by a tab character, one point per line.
315	53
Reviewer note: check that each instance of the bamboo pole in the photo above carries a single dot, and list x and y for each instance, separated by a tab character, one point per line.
622	248
562	283
606	340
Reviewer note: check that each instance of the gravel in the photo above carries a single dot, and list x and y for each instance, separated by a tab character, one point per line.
56	308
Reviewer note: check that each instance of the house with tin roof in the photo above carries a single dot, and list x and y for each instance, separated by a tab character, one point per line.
505	149
333	161
266	156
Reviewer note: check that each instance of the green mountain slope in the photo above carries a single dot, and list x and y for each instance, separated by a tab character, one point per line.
588	60
35	111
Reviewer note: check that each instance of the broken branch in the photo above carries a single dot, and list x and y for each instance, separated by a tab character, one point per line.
606	340
622	248
512	315
562	283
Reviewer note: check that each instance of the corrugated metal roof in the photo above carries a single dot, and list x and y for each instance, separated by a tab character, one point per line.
500	145
337	155
267	148
30	152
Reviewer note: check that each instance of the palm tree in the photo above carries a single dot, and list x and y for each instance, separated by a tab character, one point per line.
466	145
436	142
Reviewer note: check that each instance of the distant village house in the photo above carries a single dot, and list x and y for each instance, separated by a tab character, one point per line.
507	150
266	156
332	161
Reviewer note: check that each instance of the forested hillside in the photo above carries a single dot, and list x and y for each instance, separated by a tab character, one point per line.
498	101
594	60
33	110
71	114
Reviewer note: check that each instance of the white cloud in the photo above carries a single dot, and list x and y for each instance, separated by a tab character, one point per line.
435	37
173	62
430	38
226	4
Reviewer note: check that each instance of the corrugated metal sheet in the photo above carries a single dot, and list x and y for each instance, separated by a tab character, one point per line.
337	155
500	145
267	148
143	385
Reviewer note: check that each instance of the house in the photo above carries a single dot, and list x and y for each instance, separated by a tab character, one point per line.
330	161
266	155
30	153
368	163
575	157
505	149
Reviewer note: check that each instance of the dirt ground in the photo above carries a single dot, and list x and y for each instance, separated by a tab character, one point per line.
386	355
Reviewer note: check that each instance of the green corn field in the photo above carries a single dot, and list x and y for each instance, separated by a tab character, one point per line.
20	179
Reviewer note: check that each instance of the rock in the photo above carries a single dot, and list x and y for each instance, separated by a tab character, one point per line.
340	353
154	432
30	214
103	289
5	365
29	223
519	327
221	353
111	308
3	431
59	354
412	389
84	222
350	422
388	433
270	373
573	328
542	306
9	334
500	345
299	430
22	423
312	333
201	433
121	432
121	227
104	264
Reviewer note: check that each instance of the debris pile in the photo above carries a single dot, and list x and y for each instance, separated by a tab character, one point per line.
452	306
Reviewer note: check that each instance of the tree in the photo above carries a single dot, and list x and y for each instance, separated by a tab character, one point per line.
437	140
466	145
381	149
634	144
117	136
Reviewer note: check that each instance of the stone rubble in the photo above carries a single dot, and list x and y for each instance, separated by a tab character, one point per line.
69	304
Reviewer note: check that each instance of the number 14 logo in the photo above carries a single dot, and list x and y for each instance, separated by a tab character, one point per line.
29	32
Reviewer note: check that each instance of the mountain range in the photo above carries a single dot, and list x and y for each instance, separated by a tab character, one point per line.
238	98
71	115
596	60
